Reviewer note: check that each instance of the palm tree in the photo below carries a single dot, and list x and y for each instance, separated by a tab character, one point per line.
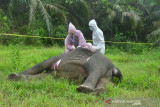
152	19
78	14
134	21
33	6
66	10
136	17
154	36
115	14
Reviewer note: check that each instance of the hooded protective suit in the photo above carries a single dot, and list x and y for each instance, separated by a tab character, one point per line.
74	40
97	37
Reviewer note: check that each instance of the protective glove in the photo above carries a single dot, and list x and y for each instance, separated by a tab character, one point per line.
73	47
93	49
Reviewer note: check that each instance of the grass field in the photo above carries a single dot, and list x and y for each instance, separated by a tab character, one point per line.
141	78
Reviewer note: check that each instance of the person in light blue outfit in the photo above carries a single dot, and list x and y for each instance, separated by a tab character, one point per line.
97	36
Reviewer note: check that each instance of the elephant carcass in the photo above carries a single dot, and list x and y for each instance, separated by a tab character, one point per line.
95	68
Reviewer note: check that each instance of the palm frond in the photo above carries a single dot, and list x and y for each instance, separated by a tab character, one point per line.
54	8
85	7
117	8
144	7
15	3
74	20
22	1
107	22
33	6
11	6
59	6
154	36
146	2
114	2
155	15
46	17
133	17
111	14
156	24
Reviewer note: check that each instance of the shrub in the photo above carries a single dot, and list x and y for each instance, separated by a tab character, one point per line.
4	27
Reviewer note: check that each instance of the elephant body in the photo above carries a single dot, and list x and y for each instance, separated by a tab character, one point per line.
94	68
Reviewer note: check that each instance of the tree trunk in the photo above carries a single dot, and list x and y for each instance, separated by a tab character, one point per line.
135	34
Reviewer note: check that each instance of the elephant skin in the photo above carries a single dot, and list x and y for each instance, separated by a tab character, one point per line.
94	68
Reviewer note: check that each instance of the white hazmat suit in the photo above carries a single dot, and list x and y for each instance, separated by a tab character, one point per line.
97	36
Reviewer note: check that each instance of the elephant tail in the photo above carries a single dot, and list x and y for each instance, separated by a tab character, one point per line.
117	73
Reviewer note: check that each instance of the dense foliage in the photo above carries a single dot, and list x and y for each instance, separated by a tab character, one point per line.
120	20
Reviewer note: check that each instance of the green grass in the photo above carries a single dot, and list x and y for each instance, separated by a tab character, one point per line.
141	78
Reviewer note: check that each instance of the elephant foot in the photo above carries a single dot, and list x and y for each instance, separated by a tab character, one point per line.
100	91
85	89
15	76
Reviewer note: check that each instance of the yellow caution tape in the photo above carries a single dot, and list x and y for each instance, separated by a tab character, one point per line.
30	36
64	39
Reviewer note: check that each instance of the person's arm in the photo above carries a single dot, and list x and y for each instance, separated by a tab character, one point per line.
67	45
81	38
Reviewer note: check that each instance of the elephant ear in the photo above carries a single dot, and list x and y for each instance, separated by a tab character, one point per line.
117	73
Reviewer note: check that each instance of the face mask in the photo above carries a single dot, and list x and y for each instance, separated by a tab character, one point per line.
91	28
72	33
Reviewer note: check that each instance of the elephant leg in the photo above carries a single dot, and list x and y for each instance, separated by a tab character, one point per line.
96	67
93	72
28	77
39	68
101	86
90	82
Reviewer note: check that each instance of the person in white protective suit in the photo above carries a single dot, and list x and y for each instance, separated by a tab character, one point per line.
97	36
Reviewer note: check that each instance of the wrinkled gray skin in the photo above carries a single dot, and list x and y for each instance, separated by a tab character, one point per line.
94	68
